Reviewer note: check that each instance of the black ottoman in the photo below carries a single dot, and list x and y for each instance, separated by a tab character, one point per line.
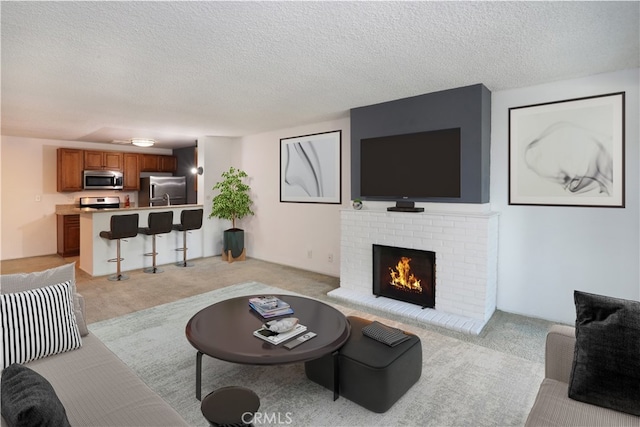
230	406
371	373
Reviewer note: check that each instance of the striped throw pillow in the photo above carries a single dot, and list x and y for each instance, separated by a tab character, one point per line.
38	323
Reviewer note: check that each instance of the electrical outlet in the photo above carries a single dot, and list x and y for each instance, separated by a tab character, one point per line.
330	257
38	198
309	254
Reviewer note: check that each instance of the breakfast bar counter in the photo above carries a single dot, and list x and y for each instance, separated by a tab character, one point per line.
96	251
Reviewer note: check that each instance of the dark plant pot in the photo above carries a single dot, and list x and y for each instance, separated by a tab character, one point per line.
233	240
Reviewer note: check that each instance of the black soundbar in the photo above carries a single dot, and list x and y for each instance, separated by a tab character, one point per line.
405	207
397	209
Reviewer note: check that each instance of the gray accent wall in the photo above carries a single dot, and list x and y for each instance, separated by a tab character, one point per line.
186	160
467	108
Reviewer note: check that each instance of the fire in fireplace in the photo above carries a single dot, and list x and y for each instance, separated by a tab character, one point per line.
405	274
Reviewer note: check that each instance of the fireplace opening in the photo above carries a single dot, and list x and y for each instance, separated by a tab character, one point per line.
405	274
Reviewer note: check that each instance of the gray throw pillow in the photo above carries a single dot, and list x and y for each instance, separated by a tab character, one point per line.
606	363
384	334
12	283
28	399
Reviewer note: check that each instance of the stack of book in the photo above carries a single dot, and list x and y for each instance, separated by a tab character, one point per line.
270	306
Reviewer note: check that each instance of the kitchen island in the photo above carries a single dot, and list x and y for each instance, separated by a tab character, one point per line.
96	251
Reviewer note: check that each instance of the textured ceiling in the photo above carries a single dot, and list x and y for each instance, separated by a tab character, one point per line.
175	71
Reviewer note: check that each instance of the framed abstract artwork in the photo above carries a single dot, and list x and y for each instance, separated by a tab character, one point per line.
310	168
568	153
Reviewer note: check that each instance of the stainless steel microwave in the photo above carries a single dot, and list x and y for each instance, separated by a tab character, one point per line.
102	180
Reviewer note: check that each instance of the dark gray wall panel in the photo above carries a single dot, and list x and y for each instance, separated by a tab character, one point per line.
186	160
467	108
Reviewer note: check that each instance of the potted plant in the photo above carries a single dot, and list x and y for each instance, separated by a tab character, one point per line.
232	203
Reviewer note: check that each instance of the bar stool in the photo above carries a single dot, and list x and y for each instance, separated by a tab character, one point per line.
122	227
190	219
158	223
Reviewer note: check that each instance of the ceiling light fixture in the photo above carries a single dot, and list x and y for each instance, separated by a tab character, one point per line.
142	142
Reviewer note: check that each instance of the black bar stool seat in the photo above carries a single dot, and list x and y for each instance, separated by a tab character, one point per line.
122	227
158	223
190	219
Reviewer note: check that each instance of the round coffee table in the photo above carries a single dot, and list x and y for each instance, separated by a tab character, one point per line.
224	330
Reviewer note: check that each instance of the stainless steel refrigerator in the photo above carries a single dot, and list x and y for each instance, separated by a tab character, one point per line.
162	191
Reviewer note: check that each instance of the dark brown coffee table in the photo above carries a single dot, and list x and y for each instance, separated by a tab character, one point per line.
224	331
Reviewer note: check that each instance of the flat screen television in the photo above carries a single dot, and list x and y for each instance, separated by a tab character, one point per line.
412	166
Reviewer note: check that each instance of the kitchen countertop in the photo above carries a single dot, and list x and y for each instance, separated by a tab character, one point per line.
76	210
67	210
95	250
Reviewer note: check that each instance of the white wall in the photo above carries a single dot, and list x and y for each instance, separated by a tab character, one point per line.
547	252
28	227
284	232
215	155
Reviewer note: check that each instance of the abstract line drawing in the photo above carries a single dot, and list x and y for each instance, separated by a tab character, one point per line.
573	157
303	168
568	153
310	168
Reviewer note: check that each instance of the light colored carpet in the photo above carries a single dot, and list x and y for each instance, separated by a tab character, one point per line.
462	383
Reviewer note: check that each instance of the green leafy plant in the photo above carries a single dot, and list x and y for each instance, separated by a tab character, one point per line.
233	202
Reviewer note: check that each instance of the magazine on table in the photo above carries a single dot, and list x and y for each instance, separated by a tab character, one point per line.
268	303
276	338
274	308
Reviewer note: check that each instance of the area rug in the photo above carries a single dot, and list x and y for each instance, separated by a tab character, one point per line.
461	383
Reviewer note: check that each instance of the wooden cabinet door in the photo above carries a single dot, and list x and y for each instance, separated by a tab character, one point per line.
99	160
68	235
131	171
168	164
112	160
149	163
72	235
92	160
69	173
158	163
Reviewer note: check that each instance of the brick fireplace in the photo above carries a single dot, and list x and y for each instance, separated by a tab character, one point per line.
466	252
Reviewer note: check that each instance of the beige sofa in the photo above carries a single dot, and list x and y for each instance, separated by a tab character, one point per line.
95	387
552	406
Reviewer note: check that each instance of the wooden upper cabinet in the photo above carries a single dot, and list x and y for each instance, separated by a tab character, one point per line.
99	160
131	171
149	163
168	163
112	160
158	163
70	165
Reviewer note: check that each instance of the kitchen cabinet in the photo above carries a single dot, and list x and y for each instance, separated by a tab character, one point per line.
148	163
103	160
70	166
71	163
68	235
168	163
158	163
131	171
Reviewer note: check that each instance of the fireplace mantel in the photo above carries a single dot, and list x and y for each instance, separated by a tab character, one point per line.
466	247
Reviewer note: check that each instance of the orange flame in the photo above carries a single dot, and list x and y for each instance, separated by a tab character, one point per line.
402	277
